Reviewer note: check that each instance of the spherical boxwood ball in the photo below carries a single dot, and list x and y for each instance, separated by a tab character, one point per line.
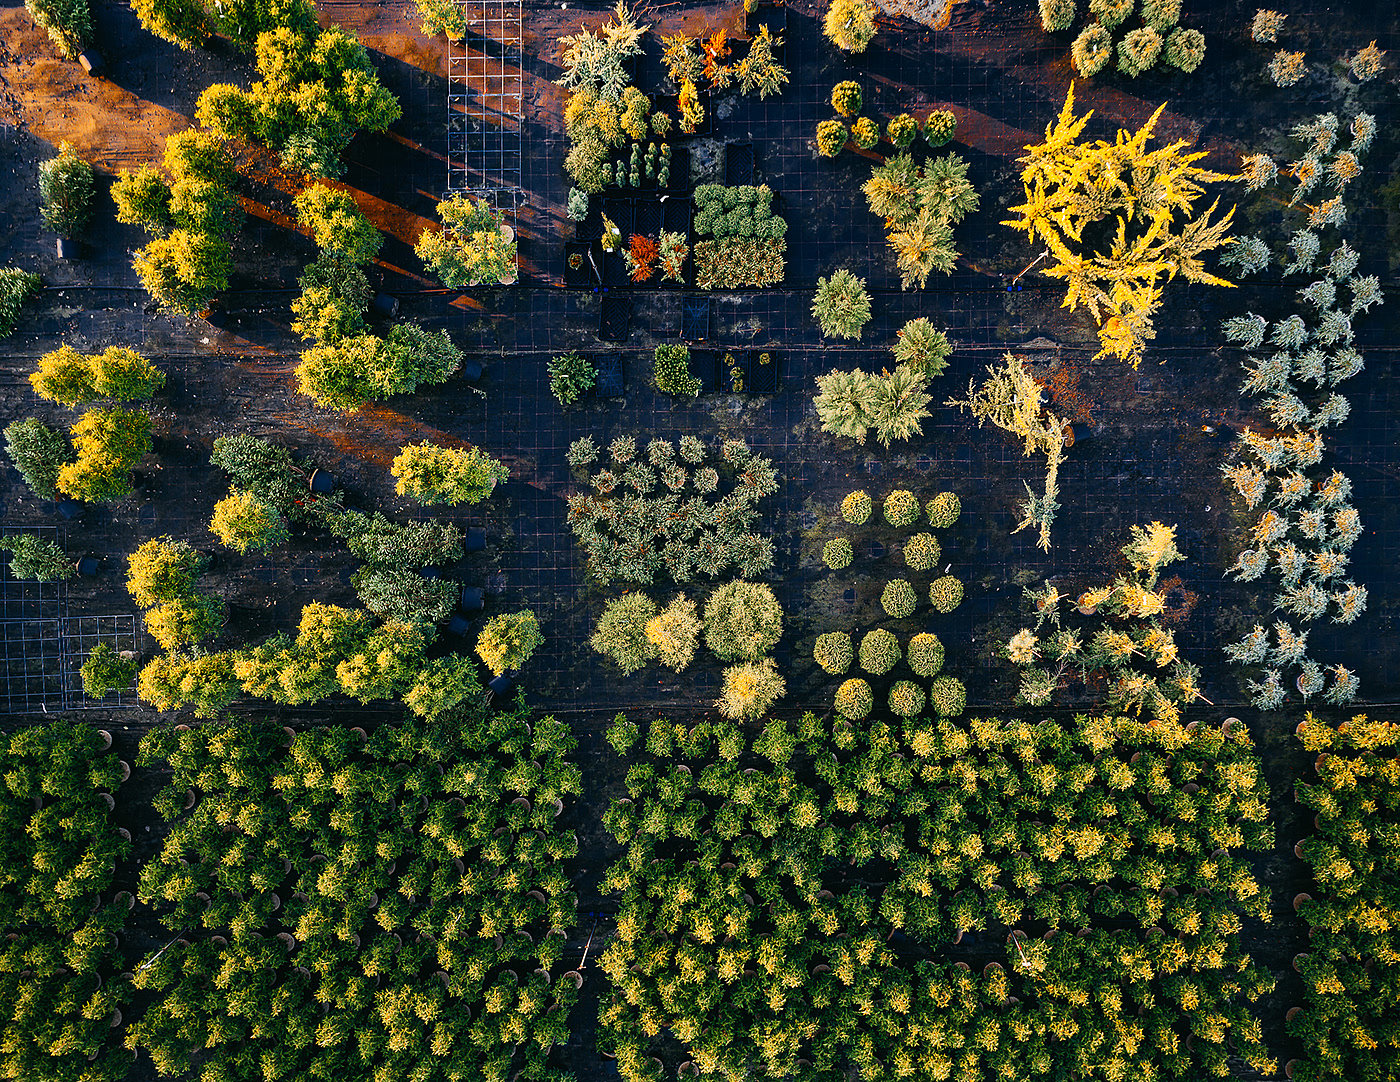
743	620
940	127
879	652
921	552
837	553
856	508
946	594
906	698
865	133
899	599
925	654
901	507
943	510
948	696
854	699
833	652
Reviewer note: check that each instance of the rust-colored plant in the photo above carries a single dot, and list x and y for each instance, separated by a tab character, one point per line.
641	257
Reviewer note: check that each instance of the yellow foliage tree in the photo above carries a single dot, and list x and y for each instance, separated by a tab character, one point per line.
1071	186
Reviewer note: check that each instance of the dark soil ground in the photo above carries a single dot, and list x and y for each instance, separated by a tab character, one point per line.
1147	459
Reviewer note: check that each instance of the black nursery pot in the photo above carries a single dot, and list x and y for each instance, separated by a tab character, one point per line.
386	305
91	61
88	566
321	482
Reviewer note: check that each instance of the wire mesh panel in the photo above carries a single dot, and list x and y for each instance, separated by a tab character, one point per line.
25	598
485	90
80	635
33	652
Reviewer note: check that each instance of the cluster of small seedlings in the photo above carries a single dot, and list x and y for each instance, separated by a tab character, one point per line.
1307	524
879	650
1287	68
1153	37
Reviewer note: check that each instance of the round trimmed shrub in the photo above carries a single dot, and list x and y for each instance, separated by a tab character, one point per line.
879	651
1186	48
831	138
943	510
743	620
1092	50
902	130
925	655
854	699
939	127
857	508
906	698
921	552
901	508
865	133
945	594
750	688
621	632
947	696
833	652
846	97
1056	14
899	599
1139	50
838	553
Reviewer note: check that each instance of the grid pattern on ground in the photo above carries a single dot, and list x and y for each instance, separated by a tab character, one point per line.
485	91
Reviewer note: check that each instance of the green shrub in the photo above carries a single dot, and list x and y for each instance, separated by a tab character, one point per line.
946	593
143	198
865	133
353	372
1056	14
38	452
838	553
841	305
508	640
1111	13
183	22
336	224
906	699
108	445
451	475
16	287
943	510
183	270
671	372
947	696
901	508
34	557
104	671
571	376
470	249
902	130
446	17
854	699
262	468
750	688
849	24
71	378
162	570
621	632
185	621
1161	15
857	508
66	184
400	594
442	685
1092	50
1186	49
67	22
940	127
925	654
921	552
317	90
831	138
879	651
1139	50
923	348
743	620
247	523
334	296
898	599
674	633
846	97
833	652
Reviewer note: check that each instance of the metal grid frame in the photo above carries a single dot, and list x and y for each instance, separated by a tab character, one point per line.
485	97
22	599
33	653
80	635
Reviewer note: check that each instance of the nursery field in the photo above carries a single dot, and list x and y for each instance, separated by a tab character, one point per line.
525	687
